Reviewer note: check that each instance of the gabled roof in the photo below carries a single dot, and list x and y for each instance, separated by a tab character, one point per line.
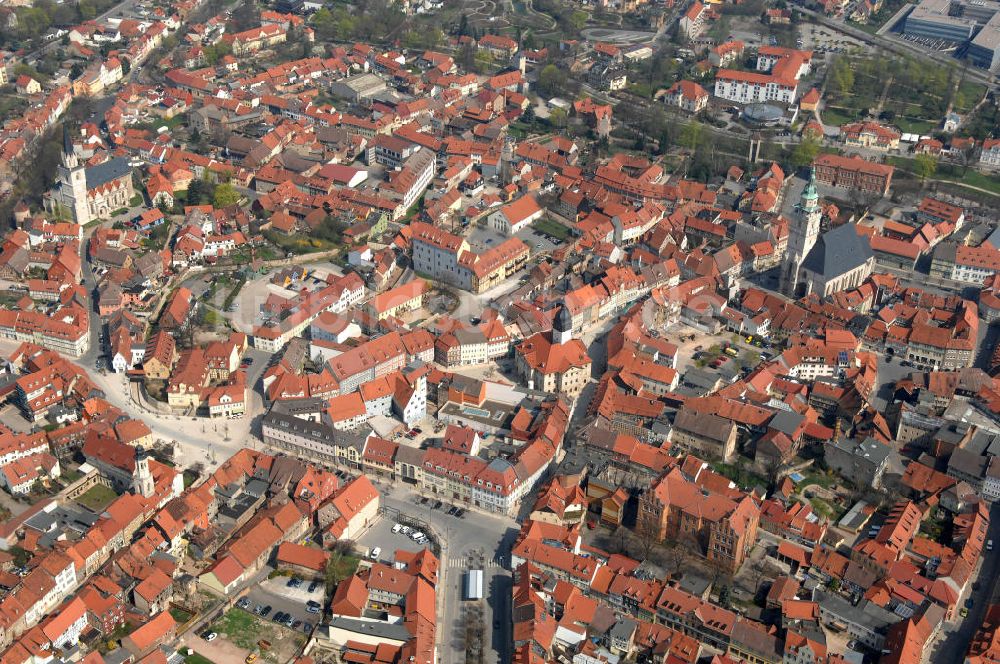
837	252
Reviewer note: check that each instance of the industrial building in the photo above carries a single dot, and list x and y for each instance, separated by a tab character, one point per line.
973	24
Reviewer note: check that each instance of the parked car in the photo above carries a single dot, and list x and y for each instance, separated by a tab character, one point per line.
307	627
376	552
460	513
279	616
313	609
396	528
296	624
312	587
452	510
209	636
438	504
244	603
267	610
251	658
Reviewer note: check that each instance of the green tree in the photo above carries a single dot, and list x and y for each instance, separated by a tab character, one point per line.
842	76
578	20
21	556
215	52
692	135
548	80
924	166
483	61
226	195
557	118
805	152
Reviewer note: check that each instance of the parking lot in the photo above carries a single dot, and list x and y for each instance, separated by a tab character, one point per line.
482	239
286	600
381	535
537	241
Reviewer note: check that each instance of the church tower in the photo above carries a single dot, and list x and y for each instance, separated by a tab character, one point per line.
142	479
562	327
71	182
802	235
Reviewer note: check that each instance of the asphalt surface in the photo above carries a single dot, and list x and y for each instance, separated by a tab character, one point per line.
276	594
950	647
478	541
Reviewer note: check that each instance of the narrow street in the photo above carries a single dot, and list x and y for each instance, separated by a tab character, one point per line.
950	647
197	439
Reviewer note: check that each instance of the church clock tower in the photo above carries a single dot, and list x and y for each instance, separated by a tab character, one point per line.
802	235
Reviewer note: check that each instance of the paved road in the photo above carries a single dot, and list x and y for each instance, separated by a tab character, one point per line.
487	540
56	43
950	647
276	594
896	46
199	440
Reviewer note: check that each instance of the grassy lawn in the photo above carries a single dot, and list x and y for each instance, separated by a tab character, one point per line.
344	566
553	228
195	658
976	179
241	627
824	508
946	173
740	474
835	116
180	615
71	475
97	498
266	253
969	94
297	244
212	318
244	630
914	126
819	479
870	28
156	123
